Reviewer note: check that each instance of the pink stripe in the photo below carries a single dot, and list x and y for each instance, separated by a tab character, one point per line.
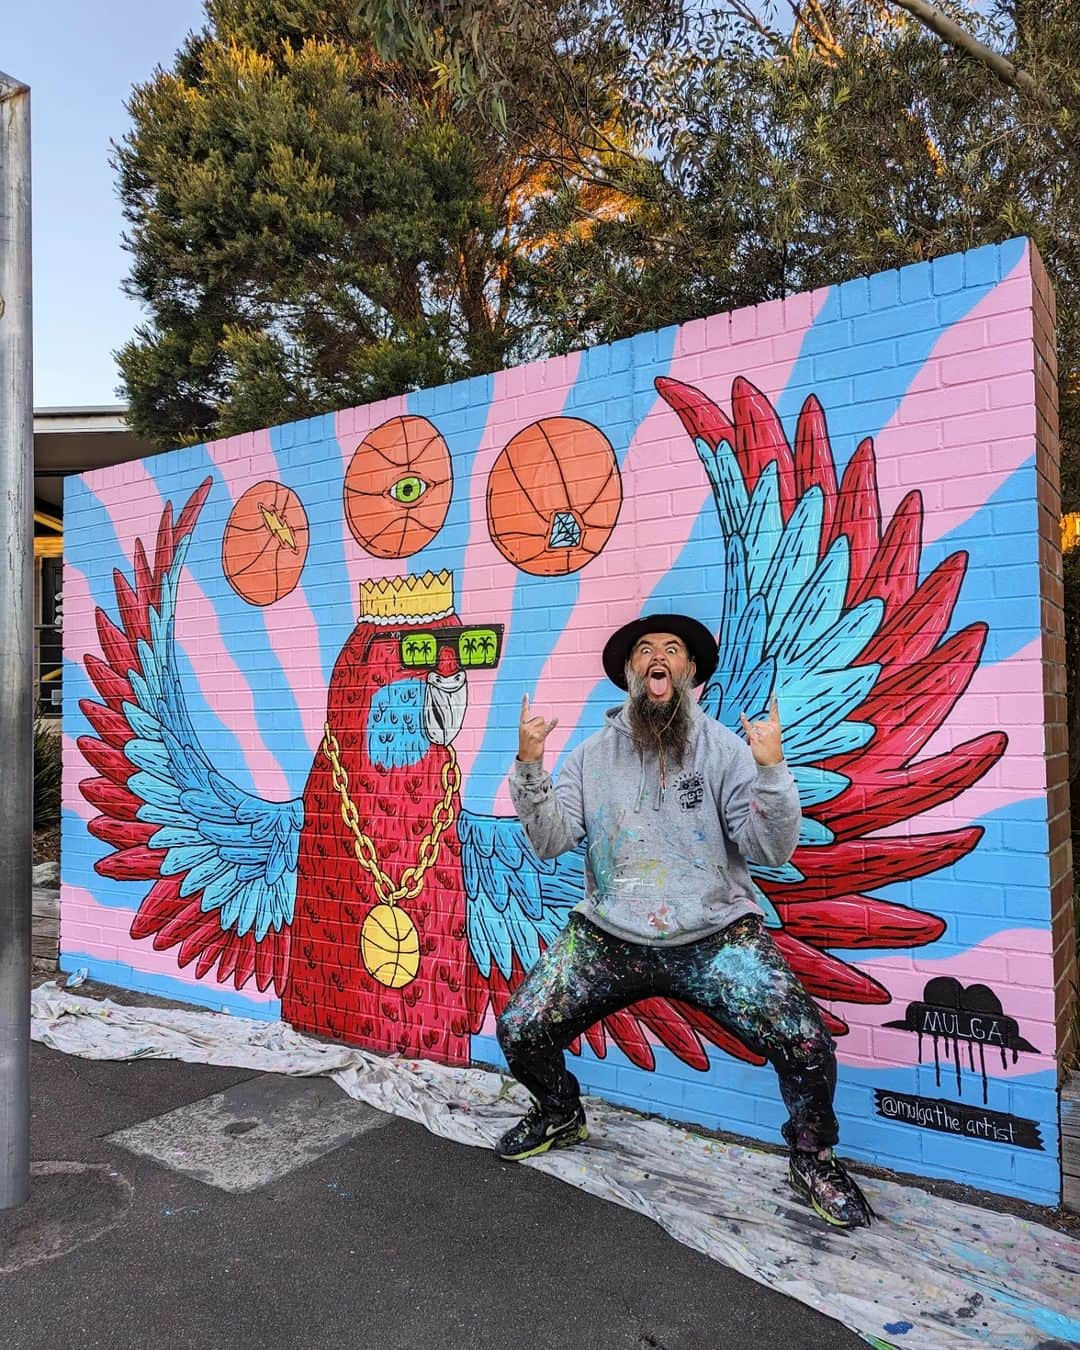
133	503
1016	963
80	635
664	490
291	627
350	427
225	687
968	420
76	770
1004	696
519	397
103	932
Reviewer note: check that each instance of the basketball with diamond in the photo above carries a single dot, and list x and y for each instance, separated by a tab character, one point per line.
553	496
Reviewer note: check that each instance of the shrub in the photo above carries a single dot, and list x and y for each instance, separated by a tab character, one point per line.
47	768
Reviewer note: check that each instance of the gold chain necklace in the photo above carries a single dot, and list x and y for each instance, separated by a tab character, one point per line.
389	942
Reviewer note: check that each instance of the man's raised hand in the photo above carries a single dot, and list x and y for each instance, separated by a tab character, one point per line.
532	733
764	737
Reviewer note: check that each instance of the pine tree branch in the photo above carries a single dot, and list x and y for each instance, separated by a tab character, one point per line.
970	45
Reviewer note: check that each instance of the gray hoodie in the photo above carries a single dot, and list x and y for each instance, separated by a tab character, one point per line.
664	866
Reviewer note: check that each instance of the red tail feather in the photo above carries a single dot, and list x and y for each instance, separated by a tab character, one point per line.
110	798
829	872
109	762
814	464
698	414
858	515
111	726
132	864
760	441
852	921
826	977
893	573
628	1036
881	794
115	689
673	1031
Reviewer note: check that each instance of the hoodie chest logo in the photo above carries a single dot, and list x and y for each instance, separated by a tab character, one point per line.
690	790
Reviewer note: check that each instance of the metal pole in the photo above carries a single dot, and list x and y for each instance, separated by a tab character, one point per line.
16	640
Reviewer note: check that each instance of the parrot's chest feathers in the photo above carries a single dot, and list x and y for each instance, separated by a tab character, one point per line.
389	942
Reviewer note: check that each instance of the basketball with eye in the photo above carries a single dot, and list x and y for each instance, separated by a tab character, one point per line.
397	487
265	544
390	946
553	496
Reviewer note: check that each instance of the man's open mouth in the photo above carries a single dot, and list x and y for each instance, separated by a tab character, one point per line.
658	682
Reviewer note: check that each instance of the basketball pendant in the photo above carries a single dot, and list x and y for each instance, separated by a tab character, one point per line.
390	946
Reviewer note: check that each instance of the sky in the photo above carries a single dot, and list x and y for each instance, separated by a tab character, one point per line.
81	61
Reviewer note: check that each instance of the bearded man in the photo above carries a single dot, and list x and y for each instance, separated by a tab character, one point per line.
670	804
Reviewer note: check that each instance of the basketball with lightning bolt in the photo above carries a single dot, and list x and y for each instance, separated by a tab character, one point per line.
265	544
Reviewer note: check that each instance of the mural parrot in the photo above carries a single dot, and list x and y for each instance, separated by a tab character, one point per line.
383	912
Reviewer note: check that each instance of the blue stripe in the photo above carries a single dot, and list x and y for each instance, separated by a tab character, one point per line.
1001	884
309	461
80	851
96	551
460	411
1001	584
213	997
894	319
614	384
243	632
694	585
91	545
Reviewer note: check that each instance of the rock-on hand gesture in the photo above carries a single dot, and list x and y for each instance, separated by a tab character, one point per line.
764	737
532	733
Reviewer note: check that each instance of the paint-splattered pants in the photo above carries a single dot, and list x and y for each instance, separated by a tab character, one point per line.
737	976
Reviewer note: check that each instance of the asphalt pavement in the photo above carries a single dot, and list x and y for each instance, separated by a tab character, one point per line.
267	1212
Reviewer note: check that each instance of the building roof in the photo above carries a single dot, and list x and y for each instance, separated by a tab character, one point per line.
72	440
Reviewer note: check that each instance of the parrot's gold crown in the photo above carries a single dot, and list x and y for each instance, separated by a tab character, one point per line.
408	599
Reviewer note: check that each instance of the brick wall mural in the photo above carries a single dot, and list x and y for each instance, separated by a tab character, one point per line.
295	659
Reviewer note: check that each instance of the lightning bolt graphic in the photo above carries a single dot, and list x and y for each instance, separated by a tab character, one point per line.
278	527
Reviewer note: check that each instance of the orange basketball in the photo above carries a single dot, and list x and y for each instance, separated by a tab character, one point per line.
554	496
265	544
397	488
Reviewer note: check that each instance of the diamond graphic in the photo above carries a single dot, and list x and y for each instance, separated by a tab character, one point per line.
565	531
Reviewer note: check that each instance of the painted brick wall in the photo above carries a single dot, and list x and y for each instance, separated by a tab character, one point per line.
885	464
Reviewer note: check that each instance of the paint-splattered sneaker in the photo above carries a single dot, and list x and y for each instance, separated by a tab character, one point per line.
536	1132
822	1179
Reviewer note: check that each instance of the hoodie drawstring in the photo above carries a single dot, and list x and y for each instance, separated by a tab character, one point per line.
660	753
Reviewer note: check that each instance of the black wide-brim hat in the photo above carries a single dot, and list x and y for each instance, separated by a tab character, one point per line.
700	643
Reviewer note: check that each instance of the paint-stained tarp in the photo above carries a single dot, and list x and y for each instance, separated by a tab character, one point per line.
931	1274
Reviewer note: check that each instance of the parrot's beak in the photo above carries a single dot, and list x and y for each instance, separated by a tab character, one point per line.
445	700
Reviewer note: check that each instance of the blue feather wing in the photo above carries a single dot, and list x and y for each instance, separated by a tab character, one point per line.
515	901
238	850
785	629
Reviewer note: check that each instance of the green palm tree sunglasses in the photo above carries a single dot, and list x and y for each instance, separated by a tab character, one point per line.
475	648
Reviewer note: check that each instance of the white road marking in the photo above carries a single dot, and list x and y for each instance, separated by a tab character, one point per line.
253	1133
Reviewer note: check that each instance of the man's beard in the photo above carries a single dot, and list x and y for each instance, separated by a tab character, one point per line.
663	727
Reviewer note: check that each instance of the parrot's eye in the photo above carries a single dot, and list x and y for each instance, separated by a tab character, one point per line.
408	489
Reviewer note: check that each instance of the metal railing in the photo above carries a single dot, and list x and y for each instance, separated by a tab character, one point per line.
48	669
